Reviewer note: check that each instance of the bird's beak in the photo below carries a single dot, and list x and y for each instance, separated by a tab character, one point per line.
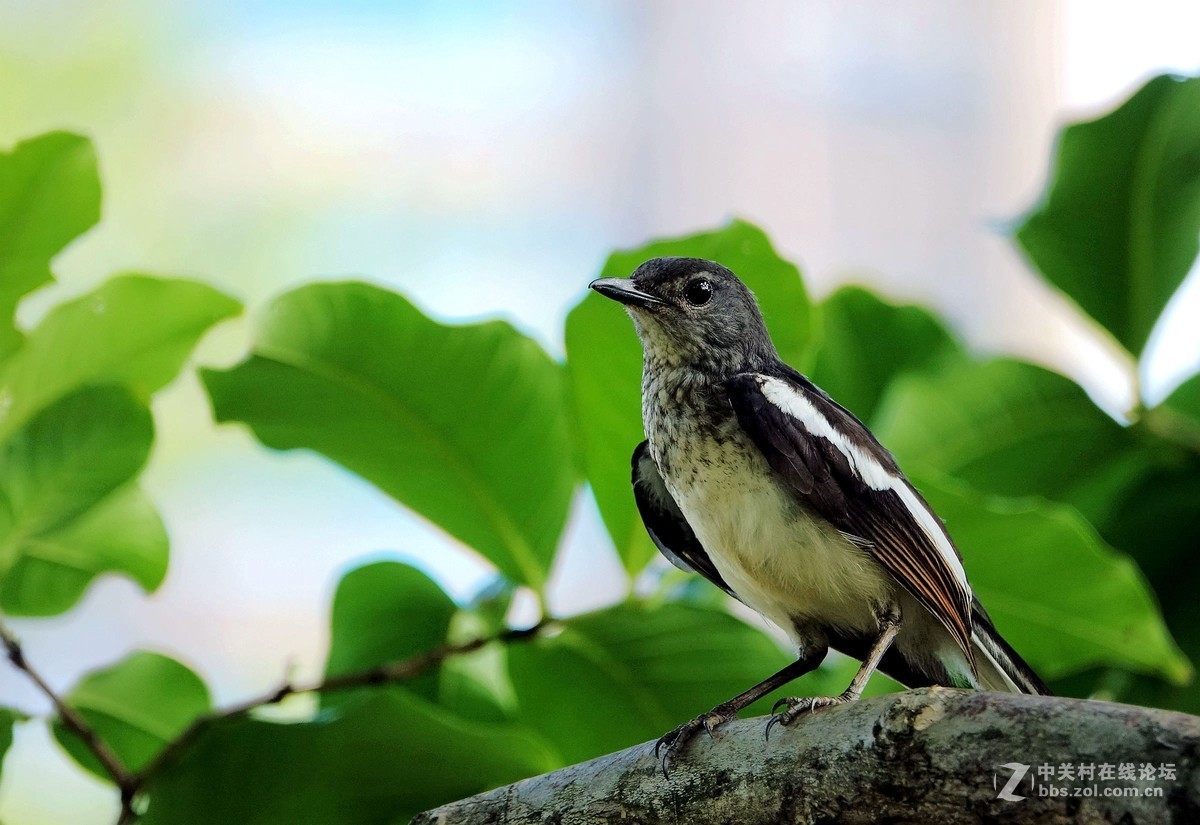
623	291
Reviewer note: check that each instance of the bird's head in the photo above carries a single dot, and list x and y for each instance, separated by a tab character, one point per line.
690	312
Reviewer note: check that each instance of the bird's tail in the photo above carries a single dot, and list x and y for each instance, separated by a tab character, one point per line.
997	665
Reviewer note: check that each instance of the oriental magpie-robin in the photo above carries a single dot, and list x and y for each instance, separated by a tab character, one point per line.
753	477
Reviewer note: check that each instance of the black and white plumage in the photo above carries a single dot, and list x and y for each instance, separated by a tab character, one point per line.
757	480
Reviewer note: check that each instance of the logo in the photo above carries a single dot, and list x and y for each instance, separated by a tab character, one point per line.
1107	779
1018	773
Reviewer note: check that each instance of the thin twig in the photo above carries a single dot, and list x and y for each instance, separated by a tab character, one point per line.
74	722
380	675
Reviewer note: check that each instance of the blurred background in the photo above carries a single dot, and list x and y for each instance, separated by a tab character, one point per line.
483	158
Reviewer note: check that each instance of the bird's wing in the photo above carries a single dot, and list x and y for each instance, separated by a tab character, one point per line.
665	523
837	468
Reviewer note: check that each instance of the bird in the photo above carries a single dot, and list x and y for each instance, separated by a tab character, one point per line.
756	479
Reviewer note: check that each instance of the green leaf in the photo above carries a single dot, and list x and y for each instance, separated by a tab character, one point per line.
466	425
136	707
67	510
71	456
9	717
50	571
475	686
1178	418
866	342
1014	429
72	441
488	607
1154	693
635	671
386	612
381	761
49	195
134	330
1154	523
1117	229
604	363
1058	593
1185	400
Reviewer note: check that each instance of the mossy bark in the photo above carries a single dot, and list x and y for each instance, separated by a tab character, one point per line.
925	756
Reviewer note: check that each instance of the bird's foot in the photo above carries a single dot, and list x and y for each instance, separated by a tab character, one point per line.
672	744
796	706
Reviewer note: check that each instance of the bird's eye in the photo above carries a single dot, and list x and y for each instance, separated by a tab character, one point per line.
698	292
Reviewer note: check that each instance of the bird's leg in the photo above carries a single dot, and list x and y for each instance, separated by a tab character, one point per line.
795	706
672	743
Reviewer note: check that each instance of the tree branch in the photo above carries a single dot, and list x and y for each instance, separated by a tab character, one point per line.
74	722
932	755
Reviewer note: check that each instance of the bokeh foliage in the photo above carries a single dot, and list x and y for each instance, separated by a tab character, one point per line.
1122	262
75	425
1077	529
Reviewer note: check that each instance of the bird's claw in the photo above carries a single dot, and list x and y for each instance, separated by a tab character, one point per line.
671	744
795	707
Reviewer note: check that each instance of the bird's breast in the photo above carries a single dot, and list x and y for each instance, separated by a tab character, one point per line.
774	552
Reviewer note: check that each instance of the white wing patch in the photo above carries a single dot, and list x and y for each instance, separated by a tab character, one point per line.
873	474
800	408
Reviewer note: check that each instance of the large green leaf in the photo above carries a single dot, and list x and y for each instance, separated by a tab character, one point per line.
67	509
134	330
1154	693
386	612
381	761
1011	428
632	672
1156	523
136	706
71	456
1117	229
866	342
1185	399
604	363
1063	598
49	195
71	445
1178	418
465	424
50	571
